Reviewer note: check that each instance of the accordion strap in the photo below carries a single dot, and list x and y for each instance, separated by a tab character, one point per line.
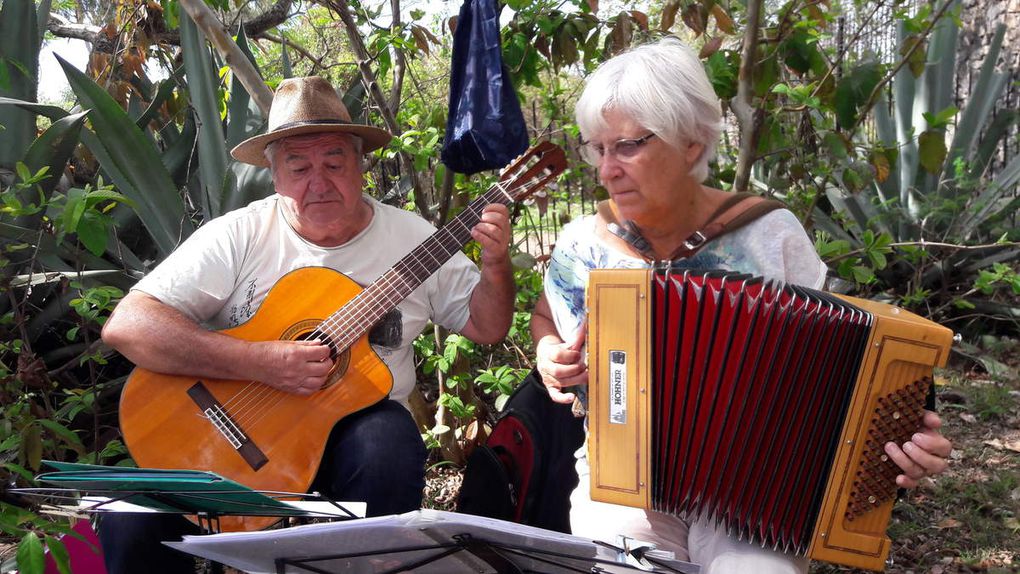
738	210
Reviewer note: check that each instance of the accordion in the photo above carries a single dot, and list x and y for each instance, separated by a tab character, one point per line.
758	405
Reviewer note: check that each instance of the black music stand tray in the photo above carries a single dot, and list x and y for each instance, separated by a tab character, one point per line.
424	541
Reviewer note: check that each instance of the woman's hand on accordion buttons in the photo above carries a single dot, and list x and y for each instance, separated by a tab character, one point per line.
561	364
926	454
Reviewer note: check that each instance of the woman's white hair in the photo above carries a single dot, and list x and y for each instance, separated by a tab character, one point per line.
663	87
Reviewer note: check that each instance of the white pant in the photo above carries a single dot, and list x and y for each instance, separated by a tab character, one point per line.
698	542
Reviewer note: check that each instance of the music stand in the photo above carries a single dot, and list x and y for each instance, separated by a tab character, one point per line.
424	541
188	492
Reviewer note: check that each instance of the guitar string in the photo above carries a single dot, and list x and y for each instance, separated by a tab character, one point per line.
423	272
255	400
252	399
394	286
364	309
243	401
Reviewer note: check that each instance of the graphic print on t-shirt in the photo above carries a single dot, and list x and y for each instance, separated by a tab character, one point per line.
389	331
239	313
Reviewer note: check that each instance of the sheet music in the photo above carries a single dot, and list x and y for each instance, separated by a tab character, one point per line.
379	539
318	508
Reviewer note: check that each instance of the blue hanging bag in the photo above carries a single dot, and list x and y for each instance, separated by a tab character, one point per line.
485	128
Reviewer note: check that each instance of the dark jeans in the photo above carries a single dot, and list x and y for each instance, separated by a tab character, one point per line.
375	455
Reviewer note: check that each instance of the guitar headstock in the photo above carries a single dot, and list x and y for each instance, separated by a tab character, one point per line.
532	170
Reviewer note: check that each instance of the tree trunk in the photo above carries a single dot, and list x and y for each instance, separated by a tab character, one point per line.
239	64
748	117
343	10
449	447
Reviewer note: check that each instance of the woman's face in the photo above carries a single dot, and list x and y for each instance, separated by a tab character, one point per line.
647	183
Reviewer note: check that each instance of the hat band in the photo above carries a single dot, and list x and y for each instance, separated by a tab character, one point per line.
312	123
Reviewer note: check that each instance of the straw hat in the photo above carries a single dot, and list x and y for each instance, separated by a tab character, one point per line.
304	106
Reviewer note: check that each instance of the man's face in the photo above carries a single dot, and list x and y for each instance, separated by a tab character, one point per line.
320	181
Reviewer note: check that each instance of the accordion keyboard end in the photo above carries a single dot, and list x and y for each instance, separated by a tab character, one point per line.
897	417
888	406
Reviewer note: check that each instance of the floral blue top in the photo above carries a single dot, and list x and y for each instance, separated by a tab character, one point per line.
774	246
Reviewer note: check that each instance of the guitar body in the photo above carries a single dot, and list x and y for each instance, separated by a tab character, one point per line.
271	440
166	419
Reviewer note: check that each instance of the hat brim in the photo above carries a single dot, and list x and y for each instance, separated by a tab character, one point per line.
252	150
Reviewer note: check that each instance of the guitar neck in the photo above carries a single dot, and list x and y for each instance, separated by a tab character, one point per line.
363	311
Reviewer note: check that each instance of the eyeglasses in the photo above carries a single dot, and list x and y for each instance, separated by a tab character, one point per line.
624	150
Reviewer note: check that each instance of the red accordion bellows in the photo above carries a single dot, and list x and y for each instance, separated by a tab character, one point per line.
745	411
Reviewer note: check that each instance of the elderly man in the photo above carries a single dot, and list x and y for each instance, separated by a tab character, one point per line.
320	217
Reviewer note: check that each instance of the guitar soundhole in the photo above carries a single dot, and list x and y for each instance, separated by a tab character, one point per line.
341	358
308	330
325	339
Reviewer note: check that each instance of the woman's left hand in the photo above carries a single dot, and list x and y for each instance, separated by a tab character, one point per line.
926	454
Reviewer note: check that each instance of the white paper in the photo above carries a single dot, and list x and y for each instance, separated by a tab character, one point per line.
318	508
378	541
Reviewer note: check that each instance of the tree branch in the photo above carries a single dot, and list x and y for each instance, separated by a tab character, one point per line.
239	63
60	27
399	63
748	118
846	47
343	10
870	102
923	244
283	40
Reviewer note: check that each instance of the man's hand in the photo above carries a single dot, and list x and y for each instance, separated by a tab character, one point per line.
160	338
299	367
561	364
925	454
492	301
493	233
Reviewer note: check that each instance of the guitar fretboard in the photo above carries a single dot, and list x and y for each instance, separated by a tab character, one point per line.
355	318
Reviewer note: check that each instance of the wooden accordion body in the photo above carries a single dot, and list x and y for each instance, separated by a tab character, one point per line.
758	405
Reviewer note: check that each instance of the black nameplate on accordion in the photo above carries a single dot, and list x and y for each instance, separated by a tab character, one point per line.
750	385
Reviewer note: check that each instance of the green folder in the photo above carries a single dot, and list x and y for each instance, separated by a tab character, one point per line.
186	491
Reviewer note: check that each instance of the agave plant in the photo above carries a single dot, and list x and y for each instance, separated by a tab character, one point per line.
20	40
928	192
75	240
164	186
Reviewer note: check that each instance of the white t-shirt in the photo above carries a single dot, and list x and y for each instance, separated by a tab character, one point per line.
773	246
222	273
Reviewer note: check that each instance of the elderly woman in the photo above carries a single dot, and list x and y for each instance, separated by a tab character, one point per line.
650	120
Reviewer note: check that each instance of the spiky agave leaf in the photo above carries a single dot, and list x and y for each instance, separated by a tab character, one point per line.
132	163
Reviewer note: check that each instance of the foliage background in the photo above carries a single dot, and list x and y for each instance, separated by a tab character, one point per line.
889	127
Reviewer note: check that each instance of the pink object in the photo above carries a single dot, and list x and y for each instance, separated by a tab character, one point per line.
86	558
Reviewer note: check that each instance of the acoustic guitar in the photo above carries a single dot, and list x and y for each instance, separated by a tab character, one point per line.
271	440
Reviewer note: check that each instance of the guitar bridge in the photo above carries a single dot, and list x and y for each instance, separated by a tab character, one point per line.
227	427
